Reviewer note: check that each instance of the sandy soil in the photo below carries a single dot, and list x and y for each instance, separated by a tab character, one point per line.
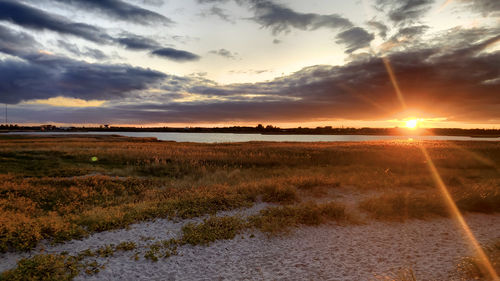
369	251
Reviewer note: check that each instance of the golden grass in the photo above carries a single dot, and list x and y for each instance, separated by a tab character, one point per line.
50	187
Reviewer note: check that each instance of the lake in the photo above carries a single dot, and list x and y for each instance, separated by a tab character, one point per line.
228	137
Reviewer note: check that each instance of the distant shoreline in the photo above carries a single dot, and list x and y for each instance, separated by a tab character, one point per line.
473	133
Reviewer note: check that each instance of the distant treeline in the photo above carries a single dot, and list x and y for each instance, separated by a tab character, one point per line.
260	129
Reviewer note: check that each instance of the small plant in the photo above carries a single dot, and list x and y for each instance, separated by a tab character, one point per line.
161	249
126	246
106	251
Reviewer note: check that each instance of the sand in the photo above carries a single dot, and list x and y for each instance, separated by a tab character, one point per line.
370	251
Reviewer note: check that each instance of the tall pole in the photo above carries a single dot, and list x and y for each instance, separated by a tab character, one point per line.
6	119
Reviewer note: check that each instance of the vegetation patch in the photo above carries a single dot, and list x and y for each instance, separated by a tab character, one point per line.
212	229
473	268
279	219
405	205
162	249
44	267
62	188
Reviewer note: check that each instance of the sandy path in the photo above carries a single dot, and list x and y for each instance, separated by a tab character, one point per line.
328	252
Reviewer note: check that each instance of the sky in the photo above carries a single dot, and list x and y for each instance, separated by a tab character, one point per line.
289	63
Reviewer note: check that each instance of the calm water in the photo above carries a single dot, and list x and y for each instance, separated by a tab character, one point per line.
220	137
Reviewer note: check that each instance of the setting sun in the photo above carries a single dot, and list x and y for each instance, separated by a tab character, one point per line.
412	123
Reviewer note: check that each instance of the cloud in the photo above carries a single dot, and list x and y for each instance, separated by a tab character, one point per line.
16	43
86	52
281	19
485	7
136	42
224	53
176	55
119	10
354	38
382	28
460	83
219	12
38	75
405	11
33	18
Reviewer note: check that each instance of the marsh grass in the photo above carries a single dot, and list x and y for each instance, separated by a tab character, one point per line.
51	189
405	205
211	229
277	220
483	197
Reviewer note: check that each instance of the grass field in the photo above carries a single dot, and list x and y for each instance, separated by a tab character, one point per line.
61	188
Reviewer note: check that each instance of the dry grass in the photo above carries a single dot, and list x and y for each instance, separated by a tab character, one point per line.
471	267
50	187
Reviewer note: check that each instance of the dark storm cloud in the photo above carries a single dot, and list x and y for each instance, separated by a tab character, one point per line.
354	38
405	11
27	16
16	43
175	55
41	76
119	10
224	53
136	42
33	18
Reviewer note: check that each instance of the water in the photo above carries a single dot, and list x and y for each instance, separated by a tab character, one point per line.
227	137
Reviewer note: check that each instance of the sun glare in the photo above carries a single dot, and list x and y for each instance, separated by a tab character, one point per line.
412	123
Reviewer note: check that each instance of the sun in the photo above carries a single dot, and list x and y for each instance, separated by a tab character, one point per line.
412	123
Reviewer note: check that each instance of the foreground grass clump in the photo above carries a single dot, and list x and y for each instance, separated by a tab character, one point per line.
484	197
212	229
401	206
44	267
472	267
280	219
